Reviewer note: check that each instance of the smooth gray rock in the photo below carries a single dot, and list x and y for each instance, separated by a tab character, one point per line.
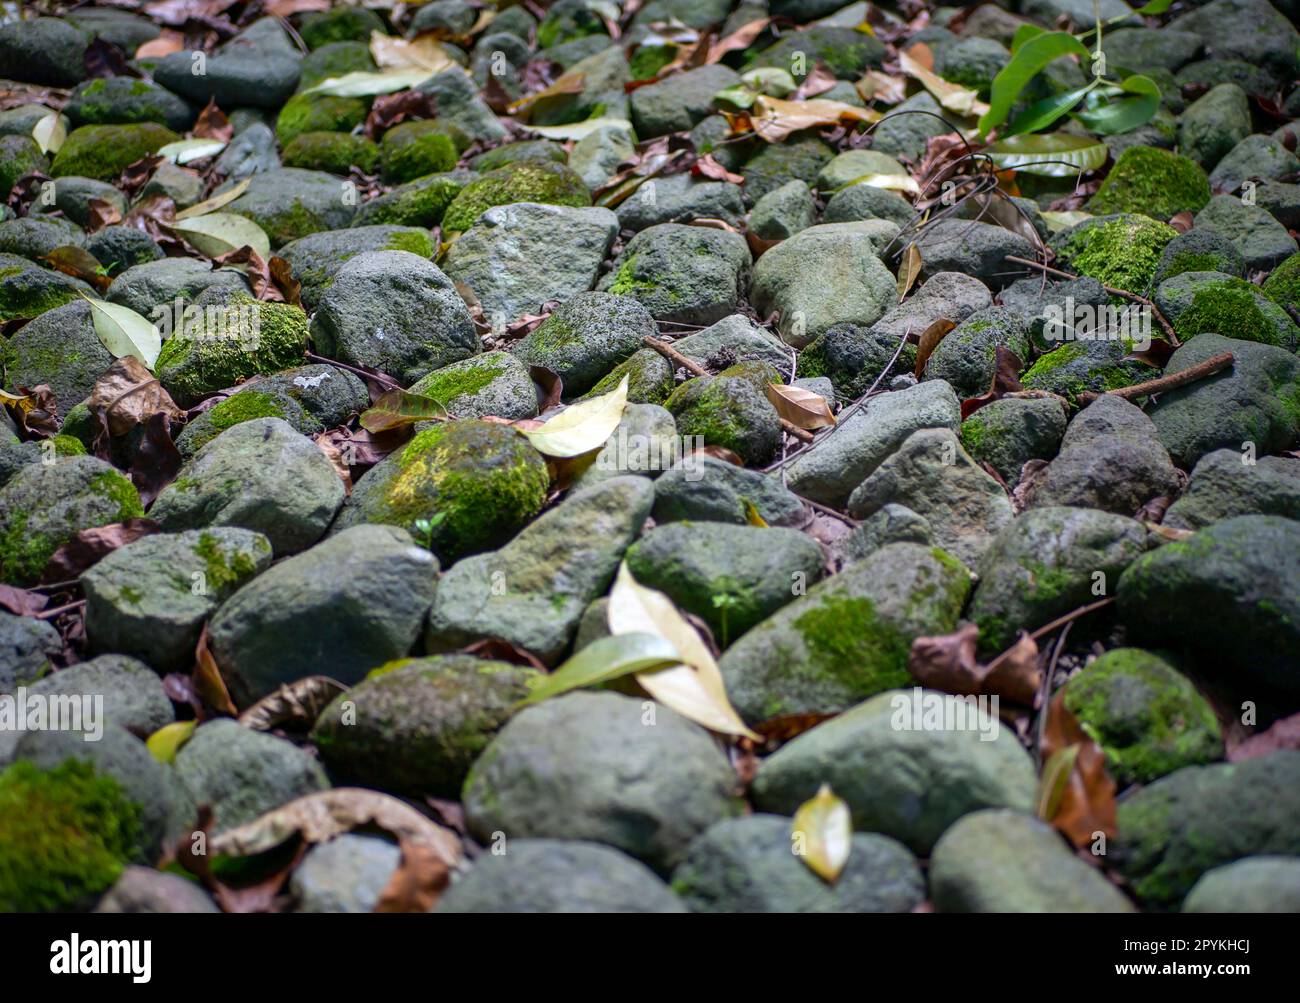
345	875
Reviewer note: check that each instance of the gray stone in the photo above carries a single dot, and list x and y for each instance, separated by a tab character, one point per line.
237	75
730	410
596	156
1282	201
905	135
60	349
1000	861
905	782
1138	49
708	490
858	202
1038	302
1249	30
967	356
492	383
947	295
679	101
852	166
118	248
345	875
645	443
1262	240
784	211
680	198
36	236
1224	485
586	766
1214	123
734	339
289	203
123	100
145	890
43	50
1255	157
250	152
72	196
1251	885
1188	302
144	288
977	249
586	336
459	103
1198	250
774	165
316	259
892	524
26	645
1009	432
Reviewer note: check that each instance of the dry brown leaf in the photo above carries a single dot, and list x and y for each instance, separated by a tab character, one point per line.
774	119
953	97
707	167
90	546
929	341
1086	802
127	394
1006	379
887	88
80	264
569	83
909	270
800	407
421	877
297	704
741	38
164	45
207	680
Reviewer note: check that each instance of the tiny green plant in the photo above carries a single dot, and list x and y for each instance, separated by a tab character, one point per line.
425	528
722	602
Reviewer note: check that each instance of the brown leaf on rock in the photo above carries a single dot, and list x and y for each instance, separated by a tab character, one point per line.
36	411
208	682
22	602
80	264
1157	354
422	875
390	109
801	408
498	649
947	661
255	269
128	393
90	546
102	214
157	461
283	8
707	167
282	275
1015	674
721	453
819	81
551	384
929	341
1006	380
1085	804
909	270
212	123
742	38
297	704
789	726
568	83
136	175
164	45
104	59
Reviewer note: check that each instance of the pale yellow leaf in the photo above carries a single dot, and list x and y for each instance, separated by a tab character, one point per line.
774	119
823	830
167	740
581	427
216	202
219	233
50	132
424	52
954	97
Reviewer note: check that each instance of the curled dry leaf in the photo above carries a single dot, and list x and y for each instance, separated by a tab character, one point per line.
568	83
1084	801
551	384
423	52
929	341
909	270
822	834
707	167
165	44
127	394
389	110
90	546
953	97
947	662
742	38
801	408
401	407
80	264
157	461
36	410
297	704
282	275
164	743
216	202
422	875
22	602
207	680
774	119
212	123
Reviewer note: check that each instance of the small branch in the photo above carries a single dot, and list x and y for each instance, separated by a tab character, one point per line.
1074	614
386	380
1199	371
49	614
1045	692
693	367
1155	310
848	520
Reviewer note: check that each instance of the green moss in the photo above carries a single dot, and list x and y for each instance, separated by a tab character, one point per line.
648	60
340	24
1230	307
30	292
102	152
416	243
704	407
1192	261
649	380
625	281
420	203
460	380
335	60
335	152
19	155
318	113
65	836
568	26
67	445
223	574
416	149
1154	182
116	487
1122	252
527	181
1283	285
849	643
23	555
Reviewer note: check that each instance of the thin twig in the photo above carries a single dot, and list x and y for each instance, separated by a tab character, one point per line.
1045	694
848	520
48	614
1074	614
1190	375
386	380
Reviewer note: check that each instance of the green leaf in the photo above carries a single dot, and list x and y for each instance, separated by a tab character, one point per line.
1109	112
1155	7
124	332
219	233
362	84
1033	55
738	95
1054	155
771	80
185	150
216	202
1055	778
604	660
401	407
167	740
1041	114
1023	34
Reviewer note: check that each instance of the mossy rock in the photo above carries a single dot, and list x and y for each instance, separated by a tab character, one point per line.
1009	432
126	100
846	52
1153	182
415	149
103	152
492	383
1283	285
1199	250
586	337
730	412
340	24
289	203
851	356
118	248
475	483
801	157
19	155
567	21
1200	302
649	378
317	257
967	356
420	722
538	150
335	152
1085	366
334	59
65	836
234	410
318	113
1121	251
59	348
27	290
528	181
1148	719
417	203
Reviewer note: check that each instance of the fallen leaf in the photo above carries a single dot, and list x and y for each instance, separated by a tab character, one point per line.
1283	734
887	88
789	726
124	332
186	151
930	339
22	602
580	427
423	52
823	827
604	660
1006	379
102	214
362	83
954	97
947	662
752	516
50	132
221	233
389	110
208	683
422	875
212	123
80	264
157	461
1014	674
164	45
707	167
1086	804
401	407
819	81
127	394
216	202
164	743
774	119
742	38
36	410
90	546
282	275
569	83
103	58
551	384
498	649
297	704
802	408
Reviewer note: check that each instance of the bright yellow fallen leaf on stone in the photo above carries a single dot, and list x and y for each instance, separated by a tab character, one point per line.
822	834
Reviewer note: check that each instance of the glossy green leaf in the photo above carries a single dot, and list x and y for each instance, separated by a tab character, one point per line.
1041	114
604	660
1033	55
401	407
1023	34
1053	155
124	332
1155	7
1121	109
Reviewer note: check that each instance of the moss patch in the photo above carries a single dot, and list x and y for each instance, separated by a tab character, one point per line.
102	152
335	152
1121	252
1153	182
527	181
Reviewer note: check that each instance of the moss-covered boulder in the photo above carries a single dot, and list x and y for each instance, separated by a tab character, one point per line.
335	152
1152	182
316	258
586	336
118	248
1009	432
43	50
335	59
848	638
1197	302
318	113
416	149
1283	285
967	356
526	181
290	203
19	155
45	505
152	288
417	203
1199	250
340	24
1078	367
845	51
1148	718
65	836
1119	250
27	290
493	383
649	378
126	100
477	483
102	152
417	724
728	411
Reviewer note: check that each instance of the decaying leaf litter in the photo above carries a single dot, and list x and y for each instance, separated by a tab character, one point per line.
429	400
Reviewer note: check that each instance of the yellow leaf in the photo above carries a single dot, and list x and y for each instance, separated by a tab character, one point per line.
568	83
752	515
774	119
800	407
50	132
894	182
582	427
424	52
962	100
167	740
823	831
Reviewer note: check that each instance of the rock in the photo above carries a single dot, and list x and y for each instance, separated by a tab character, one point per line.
415	150
1005	861
396	312
33	237
1175	830
730	411
776	164
976	249
145	890
682	274
43	50
558	876
497	257
418	723
833	468
526	181
1110	459
680	198
1080	12
1253	402
679	101
1148	719
60	349
901	134
708	490
290	203
783	212
44	505
1120	251
474	483
846	52
261	475
1281	201
848	638
1253	885
152	288
26	645
1094	363
596	156
1262	240
1151	47
421	202
949	295
604	74
318	113
1009	432
1246	567
851	166
102	152
967	356
241	774
1199	301
1046	563
237	75
493	383
1198	250
1255	157
250	152
150	598
460	104
735	337
892	524
340	24
1224	485
851	284
644	443
28	290
732	577
352	602
316	259
335	152
744	865
334	59
349	873
1214	123
1249	30
1154	182
118	248
586	765
931	473
21	156
124	100
899	779
862	201
533	590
